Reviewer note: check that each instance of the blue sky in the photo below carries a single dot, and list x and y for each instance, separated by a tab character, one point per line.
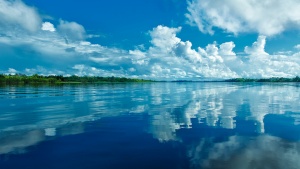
153	39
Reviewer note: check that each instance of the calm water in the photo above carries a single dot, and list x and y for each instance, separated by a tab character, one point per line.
151	126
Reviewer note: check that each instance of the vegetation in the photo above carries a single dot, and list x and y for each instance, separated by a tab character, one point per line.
56	79
20	79
273	79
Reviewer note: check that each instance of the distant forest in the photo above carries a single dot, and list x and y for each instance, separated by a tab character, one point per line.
20	79
57	79
273	79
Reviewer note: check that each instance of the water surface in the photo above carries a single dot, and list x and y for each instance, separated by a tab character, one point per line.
150	125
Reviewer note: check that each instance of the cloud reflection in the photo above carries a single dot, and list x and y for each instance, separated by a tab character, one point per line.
16	142
169	107
219	105
237	152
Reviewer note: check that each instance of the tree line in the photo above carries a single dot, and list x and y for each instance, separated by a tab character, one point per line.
273	79
56	79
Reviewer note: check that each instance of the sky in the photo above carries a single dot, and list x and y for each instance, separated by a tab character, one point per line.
151	39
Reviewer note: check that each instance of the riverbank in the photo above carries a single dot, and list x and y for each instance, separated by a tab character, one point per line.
59	79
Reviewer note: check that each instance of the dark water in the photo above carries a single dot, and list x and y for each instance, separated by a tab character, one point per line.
151	126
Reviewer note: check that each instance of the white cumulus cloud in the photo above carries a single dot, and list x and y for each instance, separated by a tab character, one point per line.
297	46
64	49
226	49
258	47
168	58
15	12
47	26
72	30
12	71
164	37
238	16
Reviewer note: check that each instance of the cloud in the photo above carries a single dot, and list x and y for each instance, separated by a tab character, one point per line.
164	37
184	49
60	49
258	47
226	49
12	71
181	60
168	58
297	46
71	30
178	59
47	26
15	12
239	16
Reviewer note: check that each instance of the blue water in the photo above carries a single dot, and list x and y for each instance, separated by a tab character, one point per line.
151	126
